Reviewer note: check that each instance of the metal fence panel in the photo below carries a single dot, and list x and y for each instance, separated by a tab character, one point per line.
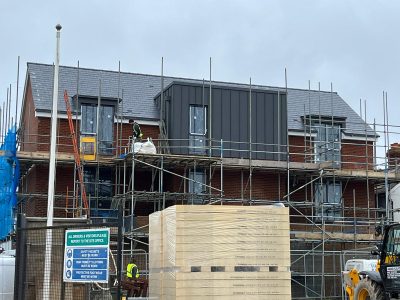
30	264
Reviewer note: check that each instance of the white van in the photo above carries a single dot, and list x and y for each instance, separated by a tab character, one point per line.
7	269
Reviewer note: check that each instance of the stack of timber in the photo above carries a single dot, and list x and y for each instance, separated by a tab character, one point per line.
220	252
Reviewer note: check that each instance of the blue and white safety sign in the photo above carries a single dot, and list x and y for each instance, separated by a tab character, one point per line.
86	255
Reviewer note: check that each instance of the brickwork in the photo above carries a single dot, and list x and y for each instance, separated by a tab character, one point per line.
64	143
37	183
174	183
361	199
265	185
30	123
28	186
393	156
149	131
298	151
355	153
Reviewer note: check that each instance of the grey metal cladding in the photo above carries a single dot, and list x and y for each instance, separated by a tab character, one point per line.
139	91
230	119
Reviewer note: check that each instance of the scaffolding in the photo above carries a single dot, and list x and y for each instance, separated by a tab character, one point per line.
323	238
317	239
326	228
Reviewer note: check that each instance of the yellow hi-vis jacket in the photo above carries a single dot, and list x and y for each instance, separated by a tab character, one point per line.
132	271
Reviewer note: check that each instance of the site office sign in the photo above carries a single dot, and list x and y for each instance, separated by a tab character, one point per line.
86	255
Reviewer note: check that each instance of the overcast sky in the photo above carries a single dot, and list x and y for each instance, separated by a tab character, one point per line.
353	44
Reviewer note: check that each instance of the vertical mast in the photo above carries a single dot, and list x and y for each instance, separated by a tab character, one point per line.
52	171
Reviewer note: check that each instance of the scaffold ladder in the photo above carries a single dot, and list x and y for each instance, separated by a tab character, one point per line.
79	166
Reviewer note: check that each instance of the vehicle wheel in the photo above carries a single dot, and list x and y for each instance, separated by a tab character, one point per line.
367	289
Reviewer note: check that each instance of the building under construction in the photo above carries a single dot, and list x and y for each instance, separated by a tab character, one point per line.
216	143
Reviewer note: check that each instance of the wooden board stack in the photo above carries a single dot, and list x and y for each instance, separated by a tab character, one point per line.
220	252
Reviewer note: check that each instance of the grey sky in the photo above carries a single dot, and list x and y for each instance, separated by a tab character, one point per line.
353	44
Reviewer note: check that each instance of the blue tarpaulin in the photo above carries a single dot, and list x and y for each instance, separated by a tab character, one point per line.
9	178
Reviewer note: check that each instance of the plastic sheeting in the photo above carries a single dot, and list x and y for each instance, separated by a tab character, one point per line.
9	174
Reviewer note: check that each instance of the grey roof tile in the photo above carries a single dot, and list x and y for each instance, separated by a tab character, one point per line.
138	92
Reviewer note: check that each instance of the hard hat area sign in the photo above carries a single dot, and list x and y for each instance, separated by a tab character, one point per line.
86	255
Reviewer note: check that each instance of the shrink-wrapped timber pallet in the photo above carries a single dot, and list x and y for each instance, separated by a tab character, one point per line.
220	252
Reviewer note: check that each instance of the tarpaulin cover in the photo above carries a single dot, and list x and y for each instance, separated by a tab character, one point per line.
9	178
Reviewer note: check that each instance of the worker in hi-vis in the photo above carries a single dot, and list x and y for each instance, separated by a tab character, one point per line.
132	270
137	133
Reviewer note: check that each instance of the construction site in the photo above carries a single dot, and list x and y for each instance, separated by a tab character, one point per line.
205	143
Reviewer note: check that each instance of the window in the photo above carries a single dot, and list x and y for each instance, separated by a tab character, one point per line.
197	186
106	129
198	120
89	119
106	126
197	129
328	200
327	143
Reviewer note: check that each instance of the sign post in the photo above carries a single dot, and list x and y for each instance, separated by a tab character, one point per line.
86	255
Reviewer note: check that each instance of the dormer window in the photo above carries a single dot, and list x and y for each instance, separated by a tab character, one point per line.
106	125
327	142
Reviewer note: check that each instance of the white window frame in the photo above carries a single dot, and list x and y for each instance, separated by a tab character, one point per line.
321	204
191	107
316	124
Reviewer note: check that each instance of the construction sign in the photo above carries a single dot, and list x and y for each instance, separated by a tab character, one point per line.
86	255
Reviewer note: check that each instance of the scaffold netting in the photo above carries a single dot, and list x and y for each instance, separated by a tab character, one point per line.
9	178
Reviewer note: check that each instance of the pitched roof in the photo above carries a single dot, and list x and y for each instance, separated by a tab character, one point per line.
139	91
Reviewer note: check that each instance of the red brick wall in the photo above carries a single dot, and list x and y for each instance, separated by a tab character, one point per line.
265	185
298	151
174	183
28	186
29	122
151	131
64	143
361	198
37	183
393	155
353	152
354	155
